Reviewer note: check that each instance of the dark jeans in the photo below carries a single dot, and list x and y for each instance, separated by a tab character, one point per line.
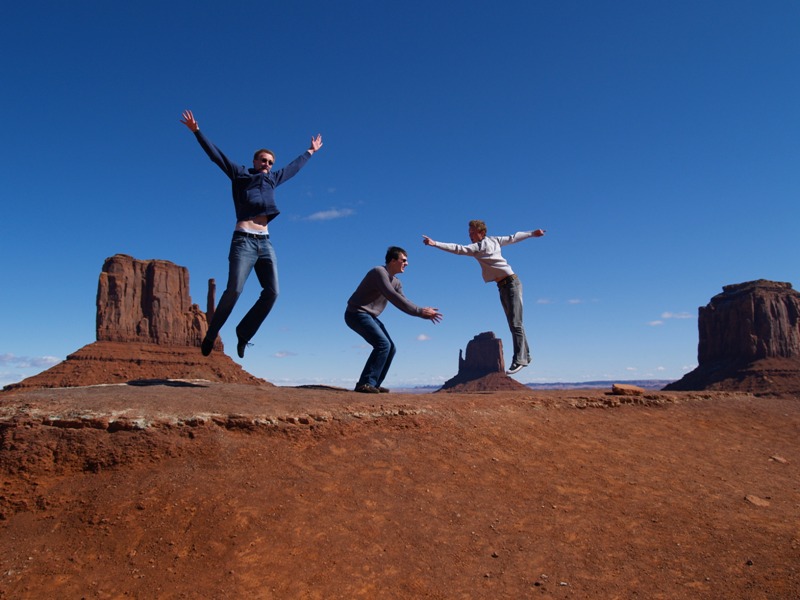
383	348
247	253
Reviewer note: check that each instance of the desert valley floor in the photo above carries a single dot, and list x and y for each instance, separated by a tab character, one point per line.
201	490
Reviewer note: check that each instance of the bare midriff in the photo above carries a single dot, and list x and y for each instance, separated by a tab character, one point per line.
258	223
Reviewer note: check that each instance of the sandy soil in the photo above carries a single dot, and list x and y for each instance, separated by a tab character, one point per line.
232	491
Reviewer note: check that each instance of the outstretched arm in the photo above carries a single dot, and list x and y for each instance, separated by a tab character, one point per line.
470	250
190	122
214	153
286	173
505	240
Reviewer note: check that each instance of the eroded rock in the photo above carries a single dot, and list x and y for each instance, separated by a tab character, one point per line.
749	340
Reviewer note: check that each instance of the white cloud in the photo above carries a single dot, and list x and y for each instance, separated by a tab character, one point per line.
9	378
28	362
544	301
670	315
329	215
422	337
575	301
681	315
284	354
630	368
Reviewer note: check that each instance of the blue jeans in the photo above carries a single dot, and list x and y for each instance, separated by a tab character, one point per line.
246	254
383	348
511	299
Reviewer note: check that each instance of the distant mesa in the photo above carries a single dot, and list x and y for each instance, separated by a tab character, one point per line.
749	340
483	368
147	330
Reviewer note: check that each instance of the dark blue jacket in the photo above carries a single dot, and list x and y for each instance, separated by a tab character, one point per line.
253	191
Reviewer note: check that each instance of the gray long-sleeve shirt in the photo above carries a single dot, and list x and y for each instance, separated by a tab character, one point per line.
487	253
376	289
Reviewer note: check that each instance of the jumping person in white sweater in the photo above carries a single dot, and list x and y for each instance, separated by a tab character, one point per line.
486	250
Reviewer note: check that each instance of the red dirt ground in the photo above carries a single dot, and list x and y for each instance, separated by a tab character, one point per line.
175	490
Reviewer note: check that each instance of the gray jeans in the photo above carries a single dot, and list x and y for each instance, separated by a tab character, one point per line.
511	299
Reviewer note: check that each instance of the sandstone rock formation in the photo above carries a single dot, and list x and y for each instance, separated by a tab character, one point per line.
626	389
749	340
483	368
148	330
147	301
103	363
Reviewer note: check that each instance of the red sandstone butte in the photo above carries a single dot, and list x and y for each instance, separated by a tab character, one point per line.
483	368
148	329
749	340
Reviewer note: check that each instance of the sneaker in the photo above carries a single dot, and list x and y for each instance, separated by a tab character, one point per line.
366	388
515	368
242	346
207	346
383	390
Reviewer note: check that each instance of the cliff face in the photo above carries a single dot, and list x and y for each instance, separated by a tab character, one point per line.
750	321
484	355
147	301
749	339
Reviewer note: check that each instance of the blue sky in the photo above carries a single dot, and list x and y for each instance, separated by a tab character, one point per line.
657	143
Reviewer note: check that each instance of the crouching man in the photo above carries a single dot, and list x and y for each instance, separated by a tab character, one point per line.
380	286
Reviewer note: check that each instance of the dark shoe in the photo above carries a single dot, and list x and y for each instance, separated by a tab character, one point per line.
515	368
242	346
383	390
366	388
207	346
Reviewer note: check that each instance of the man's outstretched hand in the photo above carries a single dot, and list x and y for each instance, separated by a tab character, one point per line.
189	121
316	143
432	314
